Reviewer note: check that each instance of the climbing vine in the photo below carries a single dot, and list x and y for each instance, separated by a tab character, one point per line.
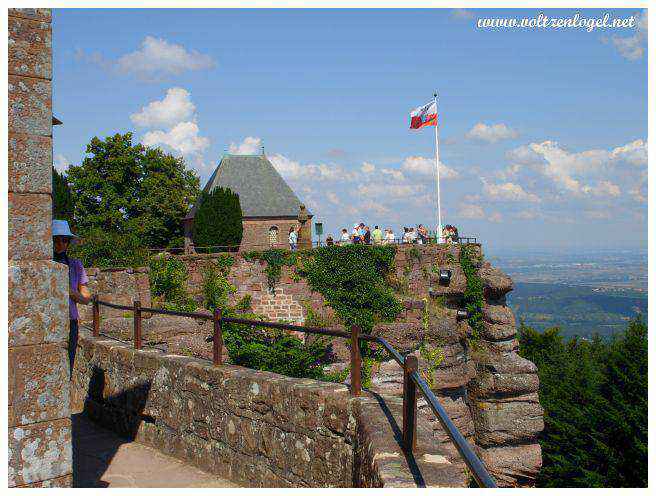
473	296
352	280
275	259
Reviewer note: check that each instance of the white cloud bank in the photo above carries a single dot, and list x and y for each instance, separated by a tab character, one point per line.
508	192
575	172
491	133
156	56
155	59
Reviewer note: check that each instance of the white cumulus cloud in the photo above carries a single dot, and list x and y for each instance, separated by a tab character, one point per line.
157	57
367	167
571	171
491	133
508	192
249	146
175	107
426	166
183	138
602	188
495	217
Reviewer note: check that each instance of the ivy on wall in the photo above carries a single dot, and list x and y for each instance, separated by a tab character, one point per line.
352	280
275	259
473	296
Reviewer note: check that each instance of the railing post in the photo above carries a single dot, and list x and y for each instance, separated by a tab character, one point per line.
96	317
137	324
410	365
356	362
217	339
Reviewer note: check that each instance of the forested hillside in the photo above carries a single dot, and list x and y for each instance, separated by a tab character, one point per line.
594	393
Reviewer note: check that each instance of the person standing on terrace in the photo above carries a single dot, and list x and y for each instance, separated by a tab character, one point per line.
377	235
77	282
293	238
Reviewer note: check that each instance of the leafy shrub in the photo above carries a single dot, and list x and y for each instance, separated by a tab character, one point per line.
245	303
107	249
168	281
216	288
218	219
336	376
275	351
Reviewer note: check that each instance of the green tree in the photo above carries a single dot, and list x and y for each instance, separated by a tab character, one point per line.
594	396
624	403
62	199
124	188
99	248
218	219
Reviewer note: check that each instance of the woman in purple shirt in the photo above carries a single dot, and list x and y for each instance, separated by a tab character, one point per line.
77	281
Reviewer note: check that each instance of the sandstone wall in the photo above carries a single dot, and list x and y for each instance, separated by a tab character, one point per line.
487	389
39	418
255	428
256	233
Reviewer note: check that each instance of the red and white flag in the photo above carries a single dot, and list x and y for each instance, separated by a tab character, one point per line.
423	116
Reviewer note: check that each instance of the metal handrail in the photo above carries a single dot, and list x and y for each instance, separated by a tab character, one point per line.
480	473
407	363
315	244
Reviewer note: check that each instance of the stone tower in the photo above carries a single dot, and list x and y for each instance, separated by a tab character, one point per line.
39	415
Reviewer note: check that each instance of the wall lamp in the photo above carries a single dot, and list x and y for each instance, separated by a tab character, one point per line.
445	277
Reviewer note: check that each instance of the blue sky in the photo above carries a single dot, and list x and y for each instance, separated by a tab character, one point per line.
543	135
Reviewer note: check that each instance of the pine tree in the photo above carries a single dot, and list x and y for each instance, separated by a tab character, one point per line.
594	395
62	198
624	422
218	219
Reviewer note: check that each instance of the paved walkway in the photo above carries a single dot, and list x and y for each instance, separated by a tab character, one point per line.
102	459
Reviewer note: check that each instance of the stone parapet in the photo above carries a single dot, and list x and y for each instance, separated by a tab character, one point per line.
256	428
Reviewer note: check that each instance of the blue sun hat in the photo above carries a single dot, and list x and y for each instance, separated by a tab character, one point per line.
61	228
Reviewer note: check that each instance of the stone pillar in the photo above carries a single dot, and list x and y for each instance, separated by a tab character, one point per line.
39	415
504	394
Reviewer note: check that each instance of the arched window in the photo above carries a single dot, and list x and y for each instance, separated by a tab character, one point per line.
273	235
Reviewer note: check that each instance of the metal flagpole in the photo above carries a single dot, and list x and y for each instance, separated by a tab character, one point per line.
437	165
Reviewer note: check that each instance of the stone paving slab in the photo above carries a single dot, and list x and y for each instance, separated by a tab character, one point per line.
102	459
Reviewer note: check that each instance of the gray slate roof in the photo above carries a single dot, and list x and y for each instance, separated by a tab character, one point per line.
262	190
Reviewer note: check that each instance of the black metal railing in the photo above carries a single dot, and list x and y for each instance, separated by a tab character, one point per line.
411	378
315	244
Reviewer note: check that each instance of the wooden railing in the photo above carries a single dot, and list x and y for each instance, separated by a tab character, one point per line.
411	378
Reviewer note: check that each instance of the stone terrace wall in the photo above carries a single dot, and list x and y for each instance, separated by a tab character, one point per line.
255	428
487	389
39	418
